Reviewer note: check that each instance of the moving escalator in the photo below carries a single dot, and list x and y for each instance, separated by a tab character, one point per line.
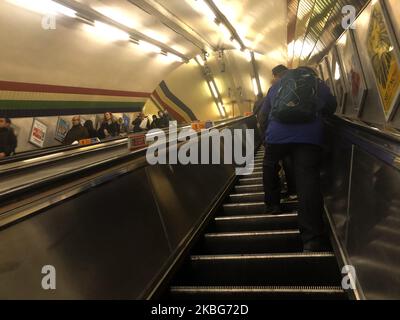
244	254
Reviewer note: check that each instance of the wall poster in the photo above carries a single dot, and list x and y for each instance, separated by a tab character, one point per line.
38	133
353	72
383	53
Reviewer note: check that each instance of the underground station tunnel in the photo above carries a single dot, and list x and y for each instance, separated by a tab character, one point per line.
171	150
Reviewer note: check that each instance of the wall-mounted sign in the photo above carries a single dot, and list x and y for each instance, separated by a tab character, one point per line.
61	129
136	141
383	53
353	71
38	133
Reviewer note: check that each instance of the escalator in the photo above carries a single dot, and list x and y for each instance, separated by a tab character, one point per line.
245	254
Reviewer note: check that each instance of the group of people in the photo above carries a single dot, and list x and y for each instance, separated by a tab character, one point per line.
291	119
8	139
110	127
145	123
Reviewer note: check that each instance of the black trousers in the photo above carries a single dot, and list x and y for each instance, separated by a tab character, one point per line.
306	159
288	168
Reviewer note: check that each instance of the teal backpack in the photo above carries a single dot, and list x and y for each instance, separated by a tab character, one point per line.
296	99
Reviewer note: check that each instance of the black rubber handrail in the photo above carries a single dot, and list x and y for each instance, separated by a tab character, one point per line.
104	162
356	123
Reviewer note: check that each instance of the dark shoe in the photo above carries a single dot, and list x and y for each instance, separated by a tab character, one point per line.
275	209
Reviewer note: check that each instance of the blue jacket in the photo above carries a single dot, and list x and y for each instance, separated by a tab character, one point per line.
310	132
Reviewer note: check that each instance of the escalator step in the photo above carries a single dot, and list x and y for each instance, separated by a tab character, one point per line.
256	292
254	222
250	188
256	207
250	242
287	269
251	181
247	197
254	175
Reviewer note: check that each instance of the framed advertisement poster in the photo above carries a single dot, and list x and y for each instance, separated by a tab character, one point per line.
38	133
61	129
383	53
353	72
338	81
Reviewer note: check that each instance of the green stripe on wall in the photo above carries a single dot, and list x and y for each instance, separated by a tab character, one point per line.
48	105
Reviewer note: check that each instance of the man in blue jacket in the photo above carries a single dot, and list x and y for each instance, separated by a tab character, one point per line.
303	142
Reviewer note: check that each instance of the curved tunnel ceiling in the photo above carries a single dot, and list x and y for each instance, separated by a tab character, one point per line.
284	31
314	26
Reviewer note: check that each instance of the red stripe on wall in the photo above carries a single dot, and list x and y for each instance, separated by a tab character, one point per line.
173	113
47	88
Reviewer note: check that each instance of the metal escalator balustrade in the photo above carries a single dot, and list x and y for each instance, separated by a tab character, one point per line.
247	254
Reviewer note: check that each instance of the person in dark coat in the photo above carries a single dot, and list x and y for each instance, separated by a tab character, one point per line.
13	137
7	139
90	129
77	132
109	127
136	123
155	123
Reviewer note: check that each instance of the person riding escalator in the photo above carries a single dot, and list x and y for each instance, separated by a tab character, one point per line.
109	127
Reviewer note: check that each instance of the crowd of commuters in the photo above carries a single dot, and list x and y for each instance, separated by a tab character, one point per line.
145	123
108	128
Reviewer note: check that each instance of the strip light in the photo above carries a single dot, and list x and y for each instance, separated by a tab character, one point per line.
103	29
173	57
221	109
110	32
255	86
199	60
214	90
205	9
149	47
44	7
225	31
236	44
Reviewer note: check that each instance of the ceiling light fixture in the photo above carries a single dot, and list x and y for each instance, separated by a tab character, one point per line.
110	32
44	7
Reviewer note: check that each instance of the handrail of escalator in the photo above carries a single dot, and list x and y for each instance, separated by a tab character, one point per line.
60	153
132	155
359	124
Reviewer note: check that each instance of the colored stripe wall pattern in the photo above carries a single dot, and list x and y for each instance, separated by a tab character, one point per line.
165	99
18	99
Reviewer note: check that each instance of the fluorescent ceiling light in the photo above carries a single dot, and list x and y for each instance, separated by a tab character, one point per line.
199	60
173	57
225	31
221	108
255	86
110	32
247	54
205	9
337	72
44	7
214	90
149	47
117	16
236	44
